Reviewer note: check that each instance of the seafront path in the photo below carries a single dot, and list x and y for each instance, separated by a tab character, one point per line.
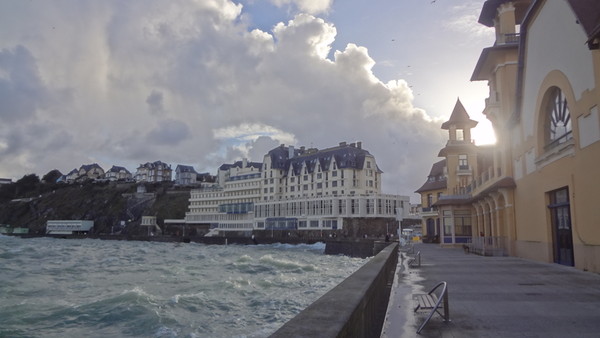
494	297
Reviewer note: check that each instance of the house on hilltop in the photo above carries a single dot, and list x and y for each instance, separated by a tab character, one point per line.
117	173
153	172
185	175
90	171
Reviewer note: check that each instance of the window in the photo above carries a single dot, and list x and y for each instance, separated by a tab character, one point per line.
460	135
462	223
447	217
463	162
558	121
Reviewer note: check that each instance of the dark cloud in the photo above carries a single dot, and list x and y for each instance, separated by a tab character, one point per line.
21	89
169	132
259	147
155	102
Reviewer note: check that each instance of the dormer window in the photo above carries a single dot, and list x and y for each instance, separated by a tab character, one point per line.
460	135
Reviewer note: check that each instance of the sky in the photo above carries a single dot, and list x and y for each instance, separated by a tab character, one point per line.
209	82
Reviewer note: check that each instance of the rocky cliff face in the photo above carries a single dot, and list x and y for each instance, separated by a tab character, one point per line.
106	204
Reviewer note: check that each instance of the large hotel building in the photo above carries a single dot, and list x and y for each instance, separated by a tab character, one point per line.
296	189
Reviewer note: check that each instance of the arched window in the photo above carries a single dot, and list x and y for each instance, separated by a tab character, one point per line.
558	126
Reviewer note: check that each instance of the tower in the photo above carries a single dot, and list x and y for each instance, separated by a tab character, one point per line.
460	152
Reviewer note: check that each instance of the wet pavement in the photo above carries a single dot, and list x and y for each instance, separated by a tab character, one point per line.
494	297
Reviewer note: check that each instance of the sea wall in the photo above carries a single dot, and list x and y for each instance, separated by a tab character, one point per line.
362	248
354	308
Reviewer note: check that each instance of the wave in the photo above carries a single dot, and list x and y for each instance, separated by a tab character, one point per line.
113	288
318	247
287	264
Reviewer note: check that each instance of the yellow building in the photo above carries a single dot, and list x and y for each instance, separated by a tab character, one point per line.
533	194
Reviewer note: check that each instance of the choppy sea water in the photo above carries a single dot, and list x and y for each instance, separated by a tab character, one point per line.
95	288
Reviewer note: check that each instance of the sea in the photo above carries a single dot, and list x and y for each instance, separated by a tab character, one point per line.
101	288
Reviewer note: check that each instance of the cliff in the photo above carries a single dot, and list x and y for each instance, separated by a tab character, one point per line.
107	204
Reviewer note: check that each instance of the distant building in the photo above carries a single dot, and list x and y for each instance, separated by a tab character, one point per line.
90	171
206	179
117	173
185	175
296	189
153	172
71	176
152	228
5	181
68	227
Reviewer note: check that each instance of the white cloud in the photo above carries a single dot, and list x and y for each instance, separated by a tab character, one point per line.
188	82
463	20
306	6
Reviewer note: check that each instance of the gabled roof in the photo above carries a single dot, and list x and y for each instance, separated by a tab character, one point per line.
588	14
185	169
240	164
116	169
88	167
151	165
437	172
345	156
459	117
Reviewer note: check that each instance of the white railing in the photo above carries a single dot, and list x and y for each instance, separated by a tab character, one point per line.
489	246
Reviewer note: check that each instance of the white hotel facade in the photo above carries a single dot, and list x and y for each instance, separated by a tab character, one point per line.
296	189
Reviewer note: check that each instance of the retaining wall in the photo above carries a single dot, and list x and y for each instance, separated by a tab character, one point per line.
354	308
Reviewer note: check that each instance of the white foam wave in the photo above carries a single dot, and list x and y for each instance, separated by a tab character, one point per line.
286	264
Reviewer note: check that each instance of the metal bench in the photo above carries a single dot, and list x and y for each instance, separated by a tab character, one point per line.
434	303
415	260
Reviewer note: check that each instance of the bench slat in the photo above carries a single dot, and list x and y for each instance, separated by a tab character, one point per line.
427	301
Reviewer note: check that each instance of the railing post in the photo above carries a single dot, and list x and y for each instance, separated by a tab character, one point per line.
446	306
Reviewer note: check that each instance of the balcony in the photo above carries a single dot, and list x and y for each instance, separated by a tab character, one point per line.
464	170
429	212
509	39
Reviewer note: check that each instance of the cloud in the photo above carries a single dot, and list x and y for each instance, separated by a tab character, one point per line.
463	20
155	102
21	89
306	6
189	82
169	132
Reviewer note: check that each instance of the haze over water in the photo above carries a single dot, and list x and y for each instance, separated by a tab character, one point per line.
94	288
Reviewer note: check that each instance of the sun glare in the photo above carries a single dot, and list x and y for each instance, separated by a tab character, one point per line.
483	133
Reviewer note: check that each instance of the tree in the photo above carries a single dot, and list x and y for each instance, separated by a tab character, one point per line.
52	176
26	184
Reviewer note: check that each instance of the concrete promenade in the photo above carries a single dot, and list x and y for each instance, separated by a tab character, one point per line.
494	297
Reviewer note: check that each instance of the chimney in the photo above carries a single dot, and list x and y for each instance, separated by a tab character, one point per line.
342	144
291	152
359	145
353	145
244	162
